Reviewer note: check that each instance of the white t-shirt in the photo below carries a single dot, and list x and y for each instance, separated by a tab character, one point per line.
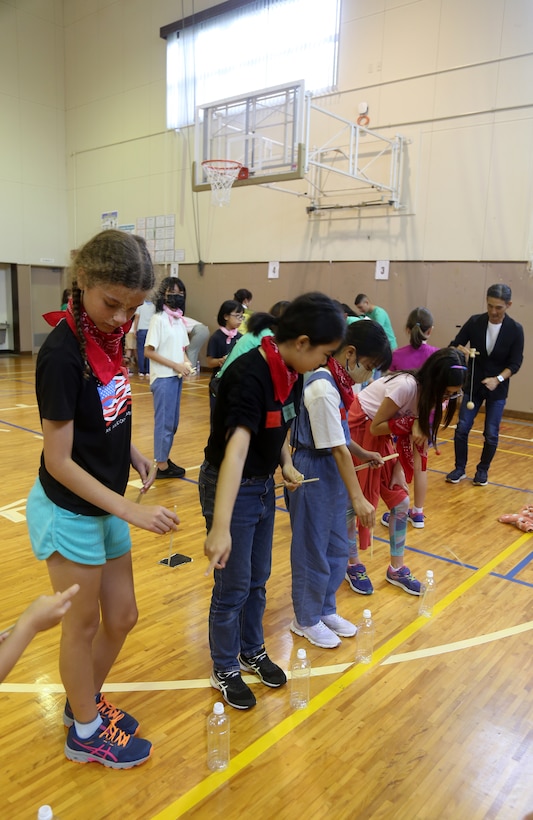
321	400
145	313
170	341
493	331
402	389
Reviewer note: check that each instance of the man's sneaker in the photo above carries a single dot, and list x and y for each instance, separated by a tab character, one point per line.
404	579
481	478
340	626
233	688
319	634
109	714
456	476
109	746
416	519
269	672
385	518
358	579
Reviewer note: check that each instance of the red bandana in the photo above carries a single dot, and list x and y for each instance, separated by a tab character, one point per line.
343	381
401	428
104	350
283	377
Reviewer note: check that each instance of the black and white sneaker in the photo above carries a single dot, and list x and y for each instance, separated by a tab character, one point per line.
481	478
456	476
233	688
269	672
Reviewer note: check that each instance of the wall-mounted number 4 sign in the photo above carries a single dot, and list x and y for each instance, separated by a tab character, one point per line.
382	269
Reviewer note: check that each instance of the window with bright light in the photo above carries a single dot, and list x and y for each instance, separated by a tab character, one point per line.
259	45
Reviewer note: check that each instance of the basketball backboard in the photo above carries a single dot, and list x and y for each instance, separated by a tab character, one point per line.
280	134
264	131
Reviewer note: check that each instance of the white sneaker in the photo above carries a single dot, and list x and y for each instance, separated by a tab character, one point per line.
319	634
339	625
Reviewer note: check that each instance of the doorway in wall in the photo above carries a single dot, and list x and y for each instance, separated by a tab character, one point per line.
46	289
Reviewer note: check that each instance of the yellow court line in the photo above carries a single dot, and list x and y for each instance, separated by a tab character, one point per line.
211	783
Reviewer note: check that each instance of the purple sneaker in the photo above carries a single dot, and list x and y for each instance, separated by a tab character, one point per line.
403	578
416	519
358	579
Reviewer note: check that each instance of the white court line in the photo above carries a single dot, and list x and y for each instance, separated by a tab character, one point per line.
337	669
458	645
502	435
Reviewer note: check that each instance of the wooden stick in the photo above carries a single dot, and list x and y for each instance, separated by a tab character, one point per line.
305	481
368	463
151	475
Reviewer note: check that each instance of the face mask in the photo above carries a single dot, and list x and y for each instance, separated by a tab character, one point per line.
175	301
358	373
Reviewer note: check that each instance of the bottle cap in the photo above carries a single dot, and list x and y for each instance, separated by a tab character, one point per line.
367	613
301	654
45	813
218	708
429	573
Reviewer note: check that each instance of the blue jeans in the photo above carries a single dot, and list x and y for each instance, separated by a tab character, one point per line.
142	362
167	397
319	544
239	596
493	416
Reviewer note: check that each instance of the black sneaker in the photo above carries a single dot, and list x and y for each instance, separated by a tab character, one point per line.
481	478
269	672
172	471
233	688
455	476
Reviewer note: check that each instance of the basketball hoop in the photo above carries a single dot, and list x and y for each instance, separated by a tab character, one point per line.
221	174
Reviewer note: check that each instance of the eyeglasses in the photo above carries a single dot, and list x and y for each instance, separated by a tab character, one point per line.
237	315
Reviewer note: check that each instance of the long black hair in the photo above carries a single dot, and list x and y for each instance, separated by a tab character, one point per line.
444	368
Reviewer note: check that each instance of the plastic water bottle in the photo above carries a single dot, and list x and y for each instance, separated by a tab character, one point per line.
428	591
218	738
365	638
300	678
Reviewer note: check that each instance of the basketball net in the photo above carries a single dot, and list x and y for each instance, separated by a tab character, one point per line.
221	174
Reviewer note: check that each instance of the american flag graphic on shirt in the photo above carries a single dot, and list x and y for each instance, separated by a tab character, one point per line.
115	398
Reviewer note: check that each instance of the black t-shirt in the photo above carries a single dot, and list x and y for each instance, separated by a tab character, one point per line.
219	346
101	415
246	399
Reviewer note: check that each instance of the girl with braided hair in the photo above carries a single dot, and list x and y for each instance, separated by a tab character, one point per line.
77	514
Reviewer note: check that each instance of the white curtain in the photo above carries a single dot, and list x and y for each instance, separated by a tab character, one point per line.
265	44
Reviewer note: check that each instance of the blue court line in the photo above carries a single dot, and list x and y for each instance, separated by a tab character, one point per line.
527	560
24	429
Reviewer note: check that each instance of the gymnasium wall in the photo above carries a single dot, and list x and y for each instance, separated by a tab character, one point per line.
453	291
82	97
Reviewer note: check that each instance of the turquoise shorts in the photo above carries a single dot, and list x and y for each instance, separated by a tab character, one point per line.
84	539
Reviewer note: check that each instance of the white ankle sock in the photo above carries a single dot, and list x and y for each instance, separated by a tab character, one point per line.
85	730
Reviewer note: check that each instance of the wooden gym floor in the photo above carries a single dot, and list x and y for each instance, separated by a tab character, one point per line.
439	726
